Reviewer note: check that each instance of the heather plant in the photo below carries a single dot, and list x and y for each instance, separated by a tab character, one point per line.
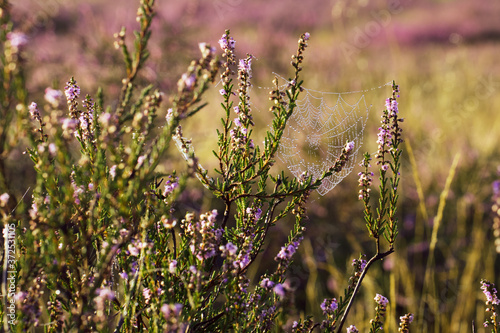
13	94
104	246
492	302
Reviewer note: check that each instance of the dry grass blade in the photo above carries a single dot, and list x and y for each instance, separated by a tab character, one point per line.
434	238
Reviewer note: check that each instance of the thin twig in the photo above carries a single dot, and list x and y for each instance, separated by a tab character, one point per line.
226	215
172	231
376	257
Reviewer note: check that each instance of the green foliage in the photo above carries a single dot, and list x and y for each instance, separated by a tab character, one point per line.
103	247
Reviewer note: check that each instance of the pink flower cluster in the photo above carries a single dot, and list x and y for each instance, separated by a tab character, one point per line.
288	251
205	237
227	43
329	306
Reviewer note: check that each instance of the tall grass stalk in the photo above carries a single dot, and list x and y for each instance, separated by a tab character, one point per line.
429	282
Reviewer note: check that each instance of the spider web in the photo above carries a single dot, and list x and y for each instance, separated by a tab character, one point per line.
319	128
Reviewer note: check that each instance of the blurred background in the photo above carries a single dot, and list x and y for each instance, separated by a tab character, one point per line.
443	54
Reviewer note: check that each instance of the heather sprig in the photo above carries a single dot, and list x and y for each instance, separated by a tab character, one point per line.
35	115
384	222
134	62
380	310
404	323
492	302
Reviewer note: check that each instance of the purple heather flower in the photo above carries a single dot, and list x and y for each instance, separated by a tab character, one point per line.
408	318
123	275
266	283
279	290
392	106
165	309
20	296
349	147
352	329
231	248
133	267
232	133
362	263
172	267
167	222
329	306
72	91
41	148
4	198
381	300
212	216
33	109
245	65
34	210
227	44
17	39
140	160
170	115
206	50
490	292
112	171
146	292
496	187
243	261
236	109
124	232
287	252
105	293
388	103
52	149
77	191
53	96
209	254
237	122
171	310
384	137
69	124
187	82
105	119
134	251
170	186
